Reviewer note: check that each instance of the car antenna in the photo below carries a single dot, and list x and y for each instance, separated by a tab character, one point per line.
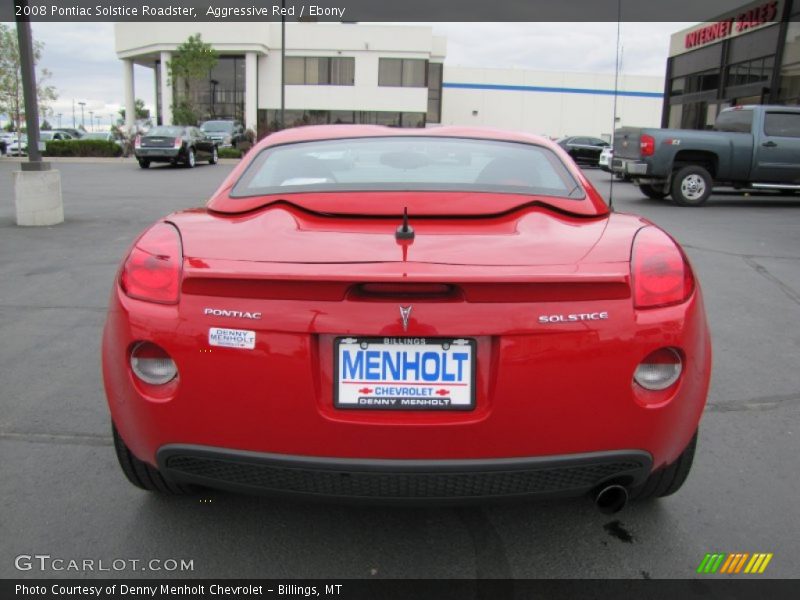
404	231
616	93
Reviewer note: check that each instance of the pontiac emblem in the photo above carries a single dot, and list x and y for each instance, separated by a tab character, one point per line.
405	312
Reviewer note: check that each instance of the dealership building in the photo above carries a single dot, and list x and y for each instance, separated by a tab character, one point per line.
376	74
748	56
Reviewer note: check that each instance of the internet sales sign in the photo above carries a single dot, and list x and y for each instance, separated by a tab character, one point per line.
746	20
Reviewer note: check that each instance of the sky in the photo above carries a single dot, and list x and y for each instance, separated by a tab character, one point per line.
85	68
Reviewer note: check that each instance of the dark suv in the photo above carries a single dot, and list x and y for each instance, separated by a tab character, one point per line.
227	133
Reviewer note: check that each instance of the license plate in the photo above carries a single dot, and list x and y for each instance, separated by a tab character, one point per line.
404	373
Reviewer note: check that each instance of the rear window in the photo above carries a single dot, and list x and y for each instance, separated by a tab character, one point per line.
217	126
166	131
737	121
407	164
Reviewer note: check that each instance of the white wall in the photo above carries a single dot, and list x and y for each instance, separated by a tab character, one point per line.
551	113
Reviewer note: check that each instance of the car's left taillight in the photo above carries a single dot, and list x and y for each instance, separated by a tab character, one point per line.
661	275
137	143
152	364
152	271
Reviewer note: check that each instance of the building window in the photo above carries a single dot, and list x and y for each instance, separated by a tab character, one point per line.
677	86
314	70
750	71
789	89
434	93
402	72
221	96
269	120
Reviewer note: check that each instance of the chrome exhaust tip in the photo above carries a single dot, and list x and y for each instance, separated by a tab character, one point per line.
611	499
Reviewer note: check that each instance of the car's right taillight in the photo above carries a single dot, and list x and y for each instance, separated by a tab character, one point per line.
178	142
659	369
659	270
647	145
152	271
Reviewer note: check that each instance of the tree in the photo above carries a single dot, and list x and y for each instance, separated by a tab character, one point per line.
142	114
191	63
12	101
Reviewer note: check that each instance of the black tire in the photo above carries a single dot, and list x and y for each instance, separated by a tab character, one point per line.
214	156
669	479
654	192
144	163
191	159
144	476
691	186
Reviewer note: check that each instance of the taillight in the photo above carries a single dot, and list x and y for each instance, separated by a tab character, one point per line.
152	270
137	143
178	142
661	276
659	370
152	364
647	145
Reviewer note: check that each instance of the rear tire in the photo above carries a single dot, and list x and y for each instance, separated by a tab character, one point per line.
214	156
651	191
144	476
669	479
144	163
190	159
691	186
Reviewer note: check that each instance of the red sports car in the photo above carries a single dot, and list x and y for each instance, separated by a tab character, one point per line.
440	314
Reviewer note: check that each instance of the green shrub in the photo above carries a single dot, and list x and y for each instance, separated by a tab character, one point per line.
229	153
82	148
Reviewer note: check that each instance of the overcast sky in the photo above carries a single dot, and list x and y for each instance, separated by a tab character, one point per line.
85	68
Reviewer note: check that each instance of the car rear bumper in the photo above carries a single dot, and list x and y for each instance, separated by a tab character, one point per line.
402	480
631	167
159	153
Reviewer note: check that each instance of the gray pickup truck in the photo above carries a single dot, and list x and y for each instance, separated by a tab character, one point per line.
750	147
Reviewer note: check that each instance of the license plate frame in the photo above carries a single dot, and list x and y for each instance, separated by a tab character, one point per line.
434	400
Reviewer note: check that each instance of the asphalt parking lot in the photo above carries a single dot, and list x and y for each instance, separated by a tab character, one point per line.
64	495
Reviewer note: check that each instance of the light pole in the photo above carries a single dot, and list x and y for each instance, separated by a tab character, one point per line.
91	119
73	113
59	120
83	122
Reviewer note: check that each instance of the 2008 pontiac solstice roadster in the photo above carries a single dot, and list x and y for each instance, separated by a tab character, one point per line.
446	314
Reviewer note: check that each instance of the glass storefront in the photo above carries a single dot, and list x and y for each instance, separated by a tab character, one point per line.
789	92
752	68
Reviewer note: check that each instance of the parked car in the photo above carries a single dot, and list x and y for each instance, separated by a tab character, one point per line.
583	150
75	134
227	133
48	136
407	328
751	147
105	136
174	144
604	162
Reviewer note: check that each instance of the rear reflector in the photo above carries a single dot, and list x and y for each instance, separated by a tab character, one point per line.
152	364
659	370
152	270
660	272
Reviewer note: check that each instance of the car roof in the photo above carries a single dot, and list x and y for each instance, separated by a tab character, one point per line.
333	132
222	202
